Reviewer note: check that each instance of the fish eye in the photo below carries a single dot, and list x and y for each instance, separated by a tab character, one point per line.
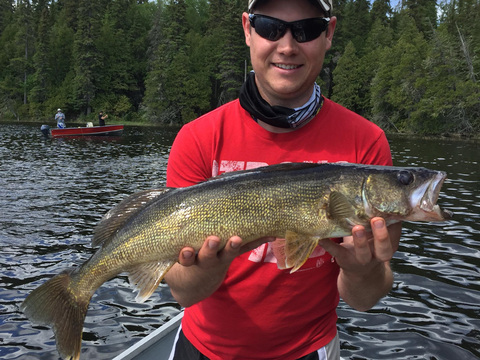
405	177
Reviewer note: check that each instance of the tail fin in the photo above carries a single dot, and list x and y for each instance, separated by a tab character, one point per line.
57	304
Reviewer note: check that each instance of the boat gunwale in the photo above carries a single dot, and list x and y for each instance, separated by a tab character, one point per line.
87	131
154	339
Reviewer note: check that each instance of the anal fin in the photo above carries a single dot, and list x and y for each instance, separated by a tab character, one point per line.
146	278
298	248
278	249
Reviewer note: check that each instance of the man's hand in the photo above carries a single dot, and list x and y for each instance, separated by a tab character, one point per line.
365	274
209	255
196	277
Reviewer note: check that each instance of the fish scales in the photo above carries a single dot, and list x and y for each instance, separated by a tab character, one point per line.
225	212
303	203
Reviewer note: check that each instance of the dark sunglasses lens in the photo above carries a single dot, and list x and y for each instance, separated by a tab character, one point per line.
268	28
303	30
308	30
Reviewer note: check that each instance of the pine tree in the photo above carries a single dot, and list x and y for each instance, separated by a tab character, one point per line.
165	93
346	74
151	105
395	94
424	12
356	23
86	55
61	68
26	38
451	92
141	21
381	12
378	39
18	48
114	59
176	59
6	13
41	59
9	95
233	52
340	41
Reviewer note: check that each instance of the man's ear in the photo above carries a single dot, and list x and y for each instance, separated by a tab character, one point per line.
246	28
330	30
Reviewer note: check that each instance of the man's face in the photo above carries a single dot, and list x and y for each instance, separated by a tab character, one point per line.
285	70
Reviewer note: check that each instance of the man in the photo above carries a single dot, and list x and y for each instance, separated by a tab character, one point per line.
60	118
101	118
239	305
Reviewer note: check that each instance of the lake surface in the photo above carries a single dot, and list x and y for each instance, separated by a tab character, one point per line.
54	191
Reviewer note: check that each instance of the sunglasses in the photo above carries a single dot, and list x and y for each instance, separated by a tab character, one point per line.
273	29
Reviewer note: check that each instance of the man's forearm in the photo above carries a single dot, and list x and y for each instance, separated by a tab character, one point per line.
362	293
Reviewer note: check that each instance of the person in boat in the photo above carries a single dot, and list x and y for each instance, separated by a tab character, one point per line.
60	119
101	118
238	304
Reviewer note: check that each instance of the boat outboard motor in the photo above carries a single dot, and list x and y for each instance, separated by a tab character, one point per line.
45	130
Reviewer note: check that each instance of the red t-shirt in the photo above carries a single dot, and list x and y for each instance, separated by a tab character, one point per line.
261	312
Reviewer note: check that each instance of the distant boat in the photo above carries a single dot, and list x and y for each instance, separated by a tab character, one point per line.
107	130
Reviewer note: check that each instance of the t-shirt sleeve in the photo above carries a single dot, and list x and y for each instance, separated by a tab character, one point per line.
187	162
379	152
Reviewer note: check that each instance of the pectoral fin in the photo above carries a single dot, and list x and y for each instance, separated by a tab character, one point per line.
146	278
339	207
298	249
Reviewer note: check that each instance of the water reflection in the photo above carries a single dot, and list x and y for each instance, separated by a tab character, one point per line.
432	311
53	192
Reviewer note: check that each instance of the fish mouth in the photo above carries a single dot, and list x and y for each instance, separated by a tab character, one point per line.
424	201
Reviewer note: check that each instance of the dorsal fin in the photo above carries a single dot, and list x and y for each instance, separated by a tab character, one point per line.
268	169
121	213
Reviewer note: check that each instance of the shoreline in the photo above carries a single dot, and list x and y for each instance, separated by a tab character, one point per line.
77	123
454	136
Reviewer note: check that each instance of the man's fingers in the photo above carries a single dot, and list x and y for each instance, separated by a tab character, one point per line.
363	252
187	256
208	251
210	254
231	249
382	243
333	248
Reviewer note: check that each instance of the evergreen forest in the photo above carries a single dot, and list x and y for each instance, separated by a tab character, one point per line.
411	66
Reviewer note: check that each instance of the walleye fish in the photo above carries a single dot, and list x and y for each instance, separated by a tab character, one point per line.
303	203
